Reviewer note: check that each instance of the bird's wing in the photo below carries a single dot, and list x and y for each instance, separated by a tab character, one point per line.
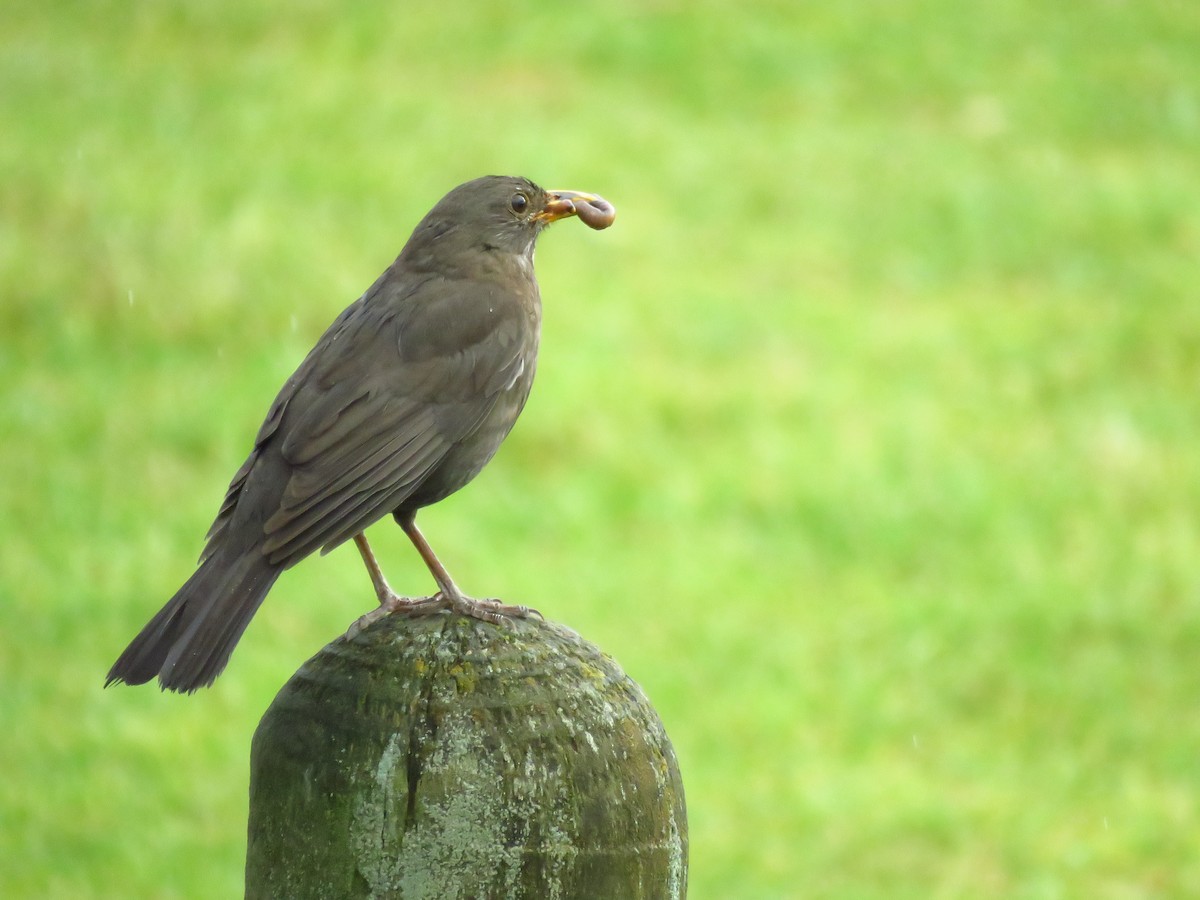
384	401
233	494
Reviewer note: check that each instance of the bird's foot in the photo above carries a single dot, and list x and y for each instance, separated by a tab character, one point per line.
388	603
486	610
490	610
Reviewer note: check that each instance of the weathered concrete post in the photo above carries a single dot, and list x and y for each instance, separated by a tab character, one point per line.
443	757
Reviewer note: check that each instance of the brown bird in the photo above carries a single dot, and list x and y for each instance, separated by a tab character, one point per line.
403	401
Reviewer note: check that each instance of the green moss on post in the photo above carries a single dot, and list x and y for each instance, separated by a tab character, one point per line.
443	757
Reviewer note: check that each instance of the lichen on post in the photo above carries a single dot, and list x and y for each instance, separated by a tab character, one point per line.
447	757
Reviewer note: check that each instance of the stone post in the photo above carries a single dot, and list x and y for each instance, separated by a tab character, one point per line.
445	757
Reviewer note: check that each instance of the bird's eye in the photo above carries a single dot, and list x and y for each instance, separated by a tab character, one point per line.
518	202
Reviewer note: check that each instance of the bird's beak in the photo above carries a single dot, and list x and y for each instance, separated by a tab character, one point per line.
594	211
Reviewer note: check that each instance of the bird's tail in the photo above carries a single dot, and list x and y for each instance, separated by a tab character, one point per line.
189	641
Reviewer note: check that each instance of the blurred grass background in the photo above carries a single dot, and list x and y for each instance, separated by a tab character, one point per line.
865	441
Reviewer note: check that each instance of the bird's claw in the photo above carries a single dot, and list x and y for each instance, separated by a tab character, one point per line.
388	603
487	610
492	610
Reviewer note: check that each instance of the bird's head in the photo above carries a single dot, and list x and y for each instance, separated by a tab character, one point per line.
497	213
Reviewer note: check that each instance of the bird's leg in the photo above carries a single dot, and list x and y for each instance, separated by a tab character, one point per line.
387	597
449	596
389	600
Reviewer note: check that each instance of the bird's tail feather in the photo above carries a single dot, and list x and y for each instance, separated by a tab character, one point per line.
189	641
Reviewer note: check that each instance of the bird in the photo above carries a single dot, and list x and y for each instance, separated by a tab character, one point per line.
402	401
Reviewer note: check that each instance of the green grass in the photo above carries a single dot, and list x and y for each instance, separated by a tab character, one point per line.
865	440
